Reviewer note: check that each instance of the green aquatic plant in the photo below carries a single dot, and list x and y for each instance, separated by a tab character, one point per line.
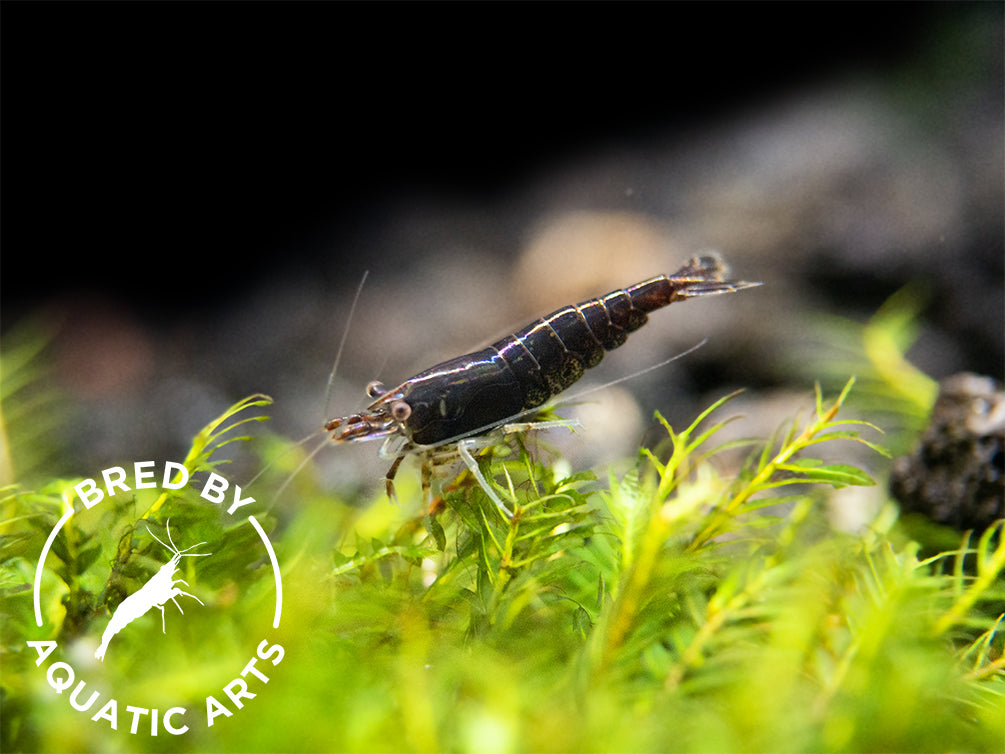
889	388
700	602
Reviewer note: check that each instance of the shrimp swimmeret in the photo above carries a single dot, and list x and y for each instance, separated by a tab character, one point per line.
161	587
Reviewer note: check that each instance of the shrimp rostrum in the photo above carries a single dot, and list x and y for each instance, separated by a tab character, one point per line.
468	403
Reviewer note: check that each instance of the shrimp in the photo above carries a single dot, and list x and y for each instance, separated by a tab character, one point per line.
160	588
468	403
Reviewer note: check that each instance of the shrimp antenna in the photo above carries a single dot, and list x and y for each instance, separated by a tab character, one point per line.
303	463
328	395
341	345
283	454
583	393
173	549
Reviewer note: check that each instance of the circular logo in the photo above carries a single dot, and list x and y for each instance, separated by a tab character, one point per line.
192	539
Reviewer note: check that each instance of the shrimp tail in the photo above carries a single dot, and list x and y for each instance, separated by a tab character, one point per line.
705	275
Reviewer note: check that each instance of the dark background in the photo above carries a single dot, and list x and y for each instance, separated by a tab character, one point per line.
191	191
145	141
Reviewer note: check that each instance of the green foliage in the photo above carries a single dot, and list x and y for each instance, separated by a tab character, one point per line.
100	556
693	604
890	389
29	408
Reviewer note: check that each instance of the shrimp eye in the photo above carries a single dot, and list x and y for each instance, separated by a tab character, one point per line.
400	411
375	389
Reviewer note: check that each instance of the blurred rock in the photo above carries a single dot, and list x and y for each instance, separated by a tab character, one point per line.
956	475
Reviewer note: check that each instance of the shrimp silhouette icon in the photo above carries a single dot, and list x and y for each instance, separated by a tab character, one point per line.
160	588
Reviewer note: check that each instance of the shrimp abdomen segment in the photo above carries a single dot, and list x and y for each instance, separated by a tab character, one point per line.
520	372
552	353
